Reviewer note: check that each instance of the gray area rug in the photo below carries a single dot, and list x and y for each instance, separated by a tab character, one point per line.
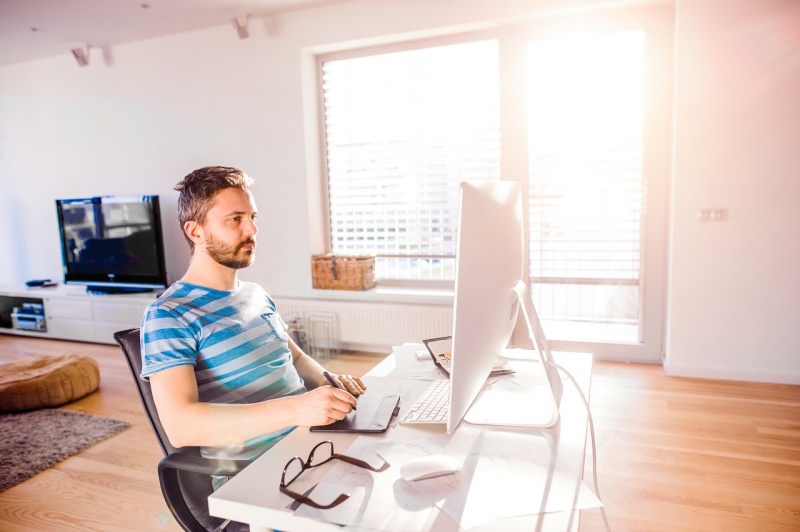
30	442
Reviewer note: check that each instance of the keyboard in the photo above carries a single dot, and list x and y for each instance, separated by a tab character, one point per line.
432	406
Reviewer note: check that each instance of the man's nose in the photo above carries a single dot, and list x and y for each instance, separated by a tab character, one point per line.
250	227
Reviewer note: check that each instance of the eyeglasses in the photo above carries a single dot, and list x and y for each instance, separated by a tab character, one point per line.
322	453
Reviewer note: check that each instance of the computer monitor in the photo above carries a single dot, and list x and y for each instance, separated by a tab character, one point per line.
489	287
489	262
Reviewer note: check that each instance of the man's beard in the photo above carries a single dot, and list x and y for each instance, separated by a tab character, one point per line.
231	256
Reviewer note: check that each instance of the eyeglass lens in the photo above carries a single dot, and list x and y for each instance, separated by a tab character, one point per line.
321	453
293	469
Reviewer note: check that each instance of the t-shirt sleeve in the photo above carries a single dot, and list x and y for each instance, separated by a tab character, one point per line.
273	309
167	342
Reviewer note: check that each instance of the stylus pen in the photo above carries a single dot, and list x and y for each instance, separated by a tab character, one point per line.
335	384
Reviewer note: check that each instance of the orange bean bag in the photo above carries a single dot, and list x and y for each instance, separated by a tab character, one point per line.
46	381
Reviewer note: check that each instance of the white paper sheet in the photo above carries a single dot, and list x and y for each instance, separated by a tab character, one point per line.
378	501
503	475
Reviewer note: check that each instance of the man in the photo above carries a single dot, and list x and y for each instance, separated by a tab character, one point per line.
224	373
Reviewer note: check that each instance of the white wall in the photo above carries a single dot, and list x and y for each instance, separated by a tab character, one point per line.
734	308
167	106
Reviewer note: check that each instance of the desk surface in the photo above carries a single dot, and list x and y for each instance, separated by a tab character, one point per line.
253	497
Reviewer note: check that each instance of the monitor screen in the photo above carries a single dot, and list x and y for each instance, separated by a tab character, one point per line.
112	243
489	264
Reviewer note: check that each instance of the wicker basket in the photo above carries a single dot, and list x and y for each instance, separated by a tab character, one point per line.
341	272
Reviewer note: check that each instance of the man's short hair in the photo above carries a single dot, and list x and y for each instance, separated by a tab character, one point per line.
197	191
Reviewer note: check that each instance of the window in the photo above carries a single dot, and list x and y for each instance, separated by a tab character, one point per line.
586	199
402	128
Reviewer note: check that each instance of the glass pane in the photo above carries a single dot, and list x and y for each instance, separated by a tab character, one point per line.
402	130
586	183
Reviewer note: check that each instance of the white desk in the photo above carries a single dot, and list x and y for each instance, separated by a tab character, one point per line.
253	496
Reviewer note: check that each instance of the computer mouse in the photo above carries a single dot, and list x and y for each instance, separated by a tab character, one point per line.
433	465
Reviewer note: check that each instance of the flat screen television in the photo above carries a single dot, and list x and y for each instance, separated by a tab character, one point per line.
112	243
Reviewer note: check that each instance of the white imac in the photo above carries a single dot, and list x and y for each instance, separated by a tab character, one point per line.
489	288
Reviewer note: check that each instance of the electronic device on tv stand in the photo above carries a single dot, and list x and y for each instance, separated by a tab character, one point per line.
112	244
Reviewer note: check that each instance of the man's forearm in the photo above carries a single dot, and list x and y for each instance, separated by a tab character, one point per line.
226	425
310	370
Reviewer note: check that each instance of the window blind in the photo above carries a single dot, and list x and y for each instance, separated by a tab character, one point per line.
586	185
402	129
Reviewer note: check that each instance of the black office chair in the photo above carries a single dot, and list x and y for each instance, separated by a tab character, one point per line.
185	475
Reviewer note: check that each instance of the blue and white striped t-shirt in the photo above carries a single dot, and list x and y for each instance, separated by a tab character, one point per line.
236	341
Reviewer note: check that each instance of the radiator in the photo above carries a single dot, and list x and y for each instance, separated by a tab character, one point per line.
363	326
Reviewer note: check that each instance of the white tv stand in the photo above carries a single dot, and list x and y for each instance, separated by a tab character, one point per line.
69	313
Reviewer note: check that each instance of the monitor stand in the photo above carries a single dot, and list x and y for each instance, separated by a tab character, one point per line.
530	397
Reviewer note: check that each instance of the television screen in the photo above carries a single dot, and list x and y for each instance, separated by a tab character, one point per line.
112	243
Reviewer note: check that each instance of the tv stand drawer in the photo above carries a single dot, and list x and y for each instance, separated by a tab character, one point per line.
68	307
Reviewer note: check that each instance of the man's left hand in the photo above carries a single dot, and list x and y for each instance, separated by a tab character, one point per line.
353	385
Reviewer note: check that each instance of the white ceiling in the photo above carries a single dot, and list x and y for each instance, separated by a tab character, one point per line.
34	29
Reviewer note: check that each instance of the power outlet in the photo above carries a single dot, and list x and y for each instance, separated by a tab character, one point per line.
712	215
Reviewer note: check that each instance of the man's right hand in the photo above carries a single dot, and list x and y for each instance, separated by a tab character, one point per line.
323	406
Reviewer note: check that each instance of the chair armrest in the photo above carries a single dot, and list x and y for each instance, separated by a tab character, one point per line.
185	478
189	459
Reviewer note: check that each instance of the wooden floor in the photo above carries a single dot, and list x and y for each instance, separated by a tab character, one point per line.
673	454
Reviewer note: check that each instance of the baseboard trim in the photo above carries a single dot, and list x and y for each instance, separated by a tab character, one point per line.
731	375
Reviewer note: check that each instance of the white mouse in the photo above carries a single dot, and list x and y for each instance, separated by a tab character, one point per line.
430	466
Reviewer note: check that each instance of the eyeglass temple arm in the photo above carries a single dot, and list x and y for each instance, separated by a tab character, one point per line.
307	500
361	463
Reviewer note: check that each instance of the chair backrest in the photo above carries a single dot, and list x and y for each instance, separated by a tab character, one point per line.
131	344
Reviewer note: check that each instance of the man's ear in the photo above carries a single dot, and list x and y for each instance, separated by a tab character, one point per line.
194	231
